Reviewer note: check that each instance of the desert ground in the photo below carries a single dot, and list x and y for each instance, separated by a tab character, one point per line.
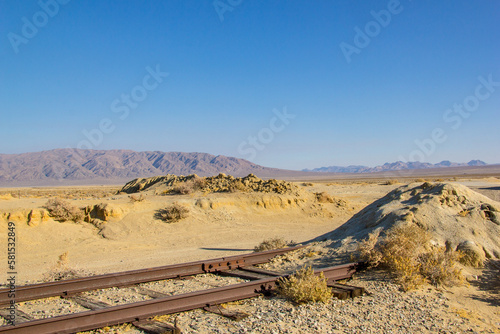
122	230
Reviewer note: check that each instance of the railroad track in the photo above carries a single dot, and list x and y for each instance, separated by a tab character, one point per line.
139	313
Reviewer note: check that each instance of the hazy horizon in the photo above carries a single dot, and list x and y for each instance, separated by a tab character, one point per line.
285	85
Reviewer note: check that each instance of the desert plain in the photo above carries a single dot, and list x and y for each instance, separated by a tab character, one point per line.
122	229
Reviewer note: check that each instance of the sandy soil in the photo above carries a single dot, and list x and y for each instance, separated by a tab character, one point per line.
218	225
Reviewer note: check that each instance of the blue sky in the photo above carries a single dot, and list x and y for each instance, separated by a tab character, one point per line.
362	82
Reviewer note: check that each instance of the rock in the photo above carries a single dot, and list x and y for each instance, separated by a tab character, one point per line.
104	212
37	216
18	216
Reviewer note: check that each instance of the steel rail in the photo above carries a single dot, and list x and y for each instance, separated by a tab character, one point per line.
172	304
74	286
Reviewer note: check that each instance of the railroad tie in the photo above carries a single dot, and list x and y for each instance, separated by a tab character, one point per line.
150	293
89	303
344	291
156	327
250	273
231	314
18	315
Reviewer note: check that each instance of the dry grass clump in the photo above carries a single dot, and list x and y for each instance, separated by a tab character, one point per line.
324	197
274	243
172	213
407	252
391	182
189	187
472	255
305	287
307	184
61	210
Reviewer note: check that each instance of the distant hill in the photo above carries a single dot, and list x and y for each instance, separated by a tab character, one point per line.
74	166
399	165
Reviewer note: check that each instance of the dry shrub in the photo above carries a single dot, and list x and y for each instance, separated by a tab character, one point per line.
472	255
464	213
172	213
308	184
407	252
391	182
305	287
439	267
268	244
62	211
189	187
324	197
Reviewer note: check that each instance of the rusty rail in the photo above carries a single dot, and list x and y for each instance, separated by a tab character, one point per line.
172	304
73	286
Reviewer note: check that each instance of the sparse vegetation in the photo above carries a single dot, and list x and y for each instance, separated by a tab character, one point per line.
61	210
406	251
190	186
274	243
304	286
471	254
391	182
324	197
307	184
172	213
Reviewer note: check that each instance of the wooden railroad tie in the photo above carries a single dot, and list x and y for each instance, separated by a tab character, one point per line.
344	291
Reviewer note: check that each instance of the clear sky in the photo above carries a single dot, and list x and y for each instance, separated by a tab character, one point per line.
287	84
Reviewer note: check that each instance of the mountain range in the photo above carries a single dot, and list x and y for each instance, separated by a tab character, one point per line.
95	166
75	166
399	165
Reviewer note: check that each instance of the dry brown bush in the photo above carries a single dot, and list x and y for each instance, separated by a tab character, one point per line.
391	182
304	286
406	251
62	211
172	213
274	243
189	187
324	197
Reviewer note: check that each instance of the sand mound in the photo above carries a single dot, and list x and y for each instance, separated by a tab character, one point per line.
454	214
219	183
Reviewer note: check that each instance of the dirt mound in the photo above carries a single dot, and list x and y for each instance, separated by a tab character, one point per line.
453	214
220	183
